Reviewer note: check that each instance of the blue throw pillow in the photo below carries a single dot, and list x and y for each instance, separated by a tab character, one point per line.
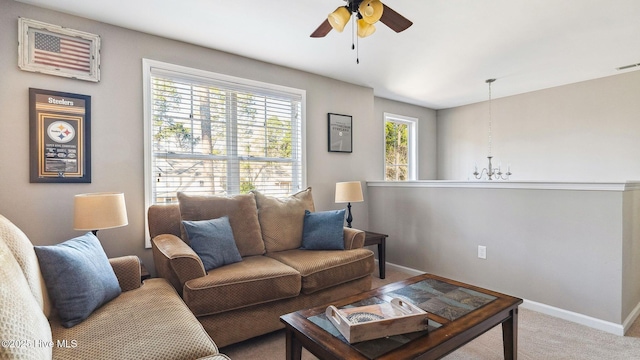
323	230
78	277
213	241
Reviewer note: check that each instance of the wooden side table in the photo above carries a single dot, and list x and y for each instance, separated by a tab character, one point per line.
372	238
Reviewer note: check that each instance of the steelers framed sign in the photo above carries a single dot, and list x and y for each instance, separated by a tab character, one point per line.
60	129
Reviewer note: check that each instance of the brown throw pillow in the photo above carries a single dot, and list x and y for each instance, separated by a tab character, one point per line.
242	213
282	219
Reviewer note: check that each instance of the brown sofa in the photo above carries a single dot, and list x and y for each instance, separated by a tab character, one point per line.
245	299
146	321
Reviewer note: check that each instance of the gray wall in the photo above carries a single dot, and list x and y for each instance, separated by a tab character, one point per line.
588	131
44	211
564	248
631	252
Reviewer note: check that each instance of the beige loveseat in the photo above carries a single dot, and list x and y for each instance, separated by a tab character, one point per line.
245	299
146	321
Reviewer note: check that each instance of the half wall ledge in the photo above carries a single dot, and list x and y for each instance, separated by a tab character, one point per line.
524	185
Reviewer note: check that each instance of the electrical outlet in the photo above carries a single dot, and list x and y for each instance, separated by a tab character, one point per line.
482	252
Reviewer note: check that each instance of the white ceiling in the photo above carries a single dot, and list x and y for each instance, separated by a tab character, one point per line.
441	61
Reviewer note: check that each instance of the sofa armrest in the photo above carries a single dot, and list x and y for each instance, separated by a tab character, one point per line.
127	269
353	238
176	261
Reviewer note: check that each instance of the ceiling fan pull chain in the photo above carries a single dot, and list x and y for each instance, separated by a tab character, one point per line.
357	51
355	42
353	33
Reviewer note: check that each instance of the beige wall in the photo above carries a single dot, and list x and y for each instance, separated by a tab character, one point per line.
44	211
588	131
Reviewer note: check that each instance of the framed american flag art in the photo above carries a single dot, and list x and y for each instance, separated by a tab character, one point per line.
55	50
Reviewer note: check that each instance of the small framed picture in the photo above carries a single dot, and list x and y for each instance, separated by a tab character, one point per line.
340	133
60	141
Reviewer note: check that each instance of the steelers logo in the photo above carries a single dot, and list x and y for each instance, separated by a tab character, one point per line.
61	132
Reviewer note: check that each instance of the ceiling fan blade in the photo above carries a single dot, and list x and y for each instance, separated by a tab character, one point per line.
322	30
394	20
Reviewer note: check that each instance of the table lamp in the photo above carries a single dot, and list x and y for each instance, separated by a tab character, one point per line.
97	211
348	192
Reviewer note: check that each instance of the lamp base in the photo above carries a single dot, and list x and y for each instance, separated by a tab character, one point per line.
349	217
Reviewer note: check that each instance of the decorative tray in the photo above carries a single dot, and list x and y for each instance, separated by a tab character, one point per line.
376	321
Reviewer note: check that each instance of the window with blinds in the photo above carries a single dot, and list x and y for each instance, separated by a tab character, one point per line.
211	134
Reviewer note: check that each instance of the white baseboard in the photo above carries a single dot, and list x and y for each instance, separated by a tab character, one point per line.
631	318
613	328
406	270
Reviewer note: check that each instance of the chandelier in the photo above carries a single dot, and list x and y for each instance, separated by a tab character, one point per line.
491	172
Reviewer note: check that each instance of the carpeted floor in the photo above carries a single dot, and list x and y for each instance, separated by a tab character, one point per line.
539	337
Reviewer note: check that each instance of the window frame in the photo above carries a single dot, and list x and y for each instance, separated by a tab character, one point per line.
412	139
147	67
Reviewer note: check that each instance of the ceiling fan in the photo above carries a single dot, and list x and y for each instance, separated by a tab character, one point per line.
366	13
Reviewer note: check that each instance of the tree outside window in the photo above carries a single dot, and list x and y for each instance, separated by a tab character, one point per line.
400	145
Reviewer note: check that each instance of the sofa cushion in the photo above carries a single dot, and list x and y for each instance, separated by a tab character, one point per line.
213	241
78	276
255	280
282	219
150	322
323	230
322	269
242	213
21	316
164	219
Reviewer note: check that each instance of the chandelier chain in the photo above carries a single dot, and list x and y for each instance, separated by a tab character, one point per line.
490	114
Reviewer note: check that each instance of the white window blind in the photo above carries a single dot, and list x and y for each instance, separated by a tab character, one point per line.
212	134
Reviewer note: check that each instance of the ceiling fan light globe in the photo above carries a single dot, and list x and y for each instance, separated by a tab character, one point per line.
371	10
365	29
339	18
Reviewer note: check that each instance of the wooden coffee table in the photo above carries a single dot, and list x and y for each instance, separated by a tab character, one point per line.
458	313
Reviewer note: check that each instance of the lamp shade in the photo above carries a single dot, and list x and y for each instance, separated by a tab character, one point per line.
339	18
365	29
371	10
97	211
350	191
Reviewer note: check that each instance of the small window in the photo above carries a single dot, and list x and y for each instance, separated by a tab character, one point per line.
400	159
